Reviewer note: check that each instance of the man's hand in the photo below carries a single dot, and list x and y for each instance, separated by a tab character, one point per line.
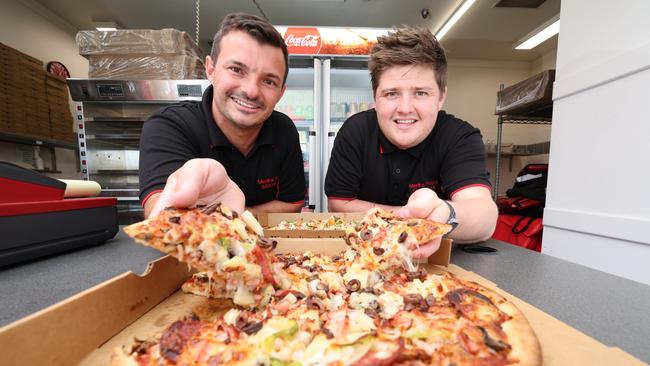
200	181
425	203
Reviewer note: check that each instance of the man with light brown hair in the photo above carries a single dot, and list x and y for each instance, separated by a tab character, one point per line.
407	155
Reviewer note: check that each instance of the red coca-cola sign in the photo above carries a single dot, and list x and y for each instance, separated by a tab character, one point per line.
303	41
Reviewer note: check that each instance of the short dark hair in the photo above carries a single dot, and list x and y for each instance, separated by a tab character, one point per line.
258	28
408	46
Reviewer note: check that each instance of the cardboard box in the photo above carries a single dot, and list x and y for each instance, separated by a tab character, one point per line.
87	327
268	220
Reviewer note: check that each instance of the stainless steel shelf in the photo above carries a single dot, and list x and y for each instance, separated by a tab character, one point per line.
521	120
36	141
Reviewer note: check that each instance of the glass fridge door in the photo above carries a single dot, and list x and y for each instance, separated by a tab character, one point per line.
347	84
298	104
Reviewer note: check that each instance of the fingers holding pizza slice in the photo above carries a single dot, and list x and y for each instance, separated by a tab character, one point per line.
390	239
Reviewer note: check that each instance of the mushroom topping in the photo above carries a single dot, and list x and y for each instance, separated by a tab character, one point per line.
421	274
456	296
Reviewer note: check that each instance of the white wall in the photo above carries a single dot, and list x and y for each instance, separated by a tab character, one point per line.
31	29
598	202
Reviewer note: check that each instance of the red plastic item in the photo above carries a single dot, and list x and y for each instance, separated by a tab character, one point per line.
519	230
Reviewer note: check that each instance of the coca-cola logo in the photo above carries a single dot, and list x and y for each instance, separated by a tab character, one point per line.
304	41
309	40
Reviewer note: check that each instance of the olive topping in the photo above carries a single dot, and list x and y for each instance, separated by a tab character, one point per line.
327	333
351	239
413	299
372	313
366	234
402	237
496	345
314	302
430	299
322	286
175	219
267	244
252	328
378	250
211	208
353	285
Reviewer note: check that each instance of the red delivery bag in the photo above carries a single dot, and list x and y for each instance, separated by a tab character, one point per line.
519	230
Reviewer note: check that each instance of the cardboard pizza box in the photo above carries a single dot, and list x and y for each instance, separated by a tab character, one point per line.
85	328
268	220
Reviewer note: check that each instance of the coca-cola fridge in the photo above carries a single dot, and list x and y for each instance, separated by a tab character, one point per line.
328	81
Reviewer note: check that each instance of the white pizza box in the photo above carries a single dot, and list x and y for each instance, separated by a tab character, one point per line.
268	220
85	328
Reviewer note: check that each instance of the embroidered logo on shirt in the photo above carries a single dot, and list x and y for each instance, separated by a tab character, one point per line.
266	183
431	184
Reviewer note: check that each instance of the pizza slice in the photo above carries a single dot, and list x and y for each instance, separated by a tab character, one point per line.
214	239
384	240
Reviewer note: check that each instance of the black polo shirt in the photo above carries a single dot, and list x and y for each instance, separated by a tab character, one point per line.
365	165
273	169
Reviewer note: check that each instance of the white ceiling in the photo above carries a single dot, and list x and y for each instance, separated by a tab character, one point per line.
485	32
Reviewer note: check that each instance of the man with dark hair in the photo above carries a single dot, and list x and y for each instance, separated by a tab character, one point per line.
231	147
407	151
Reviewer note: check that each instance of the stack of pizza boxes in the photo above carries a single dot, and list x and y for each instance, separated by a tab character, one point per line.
141	54
57	101
31	103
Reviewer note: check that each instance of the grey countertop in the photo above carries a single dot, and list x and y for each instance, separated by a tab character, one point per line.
610	309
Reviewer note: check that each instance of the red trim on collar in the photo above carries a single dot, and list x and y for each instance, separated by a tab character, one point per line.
149	195
451	195
381	149
342	198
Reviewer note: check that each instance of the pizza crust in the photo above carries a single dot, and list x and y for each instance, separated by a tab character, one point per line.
522	338
120	358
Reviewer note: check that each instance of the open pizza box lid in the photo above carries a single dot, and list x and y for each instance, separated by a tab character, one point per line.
268	220
85	328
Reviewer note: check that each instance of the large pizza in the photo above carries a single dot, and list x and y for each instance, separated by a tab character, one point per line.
370	305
